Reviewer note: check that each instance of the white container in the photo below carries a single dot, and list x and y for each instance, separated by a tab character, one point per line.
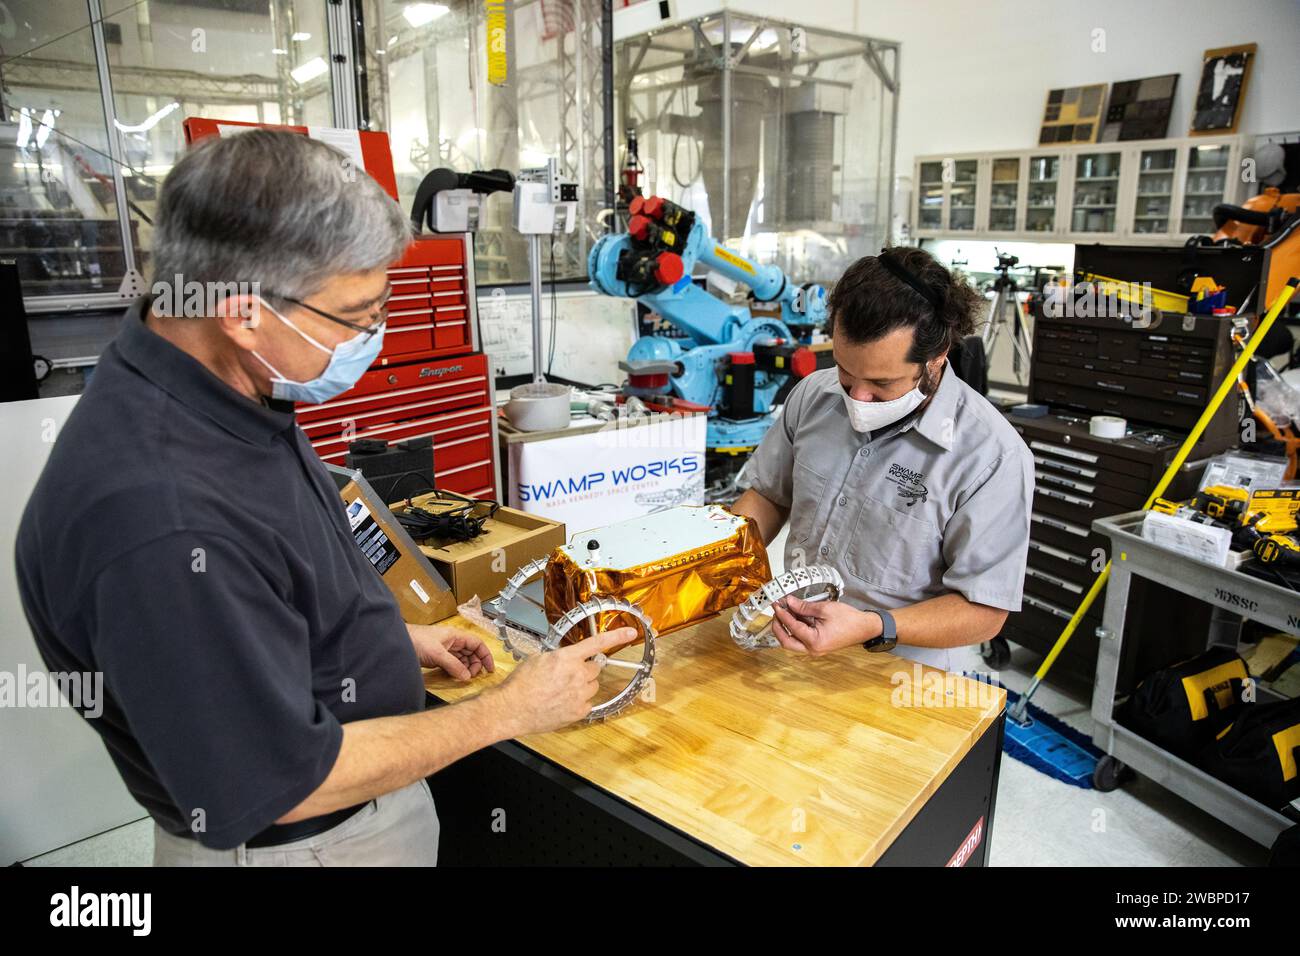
539	407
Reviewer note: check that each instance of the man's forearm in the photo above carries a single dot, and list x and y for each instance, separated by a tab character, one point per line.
948	620
387	753
769	515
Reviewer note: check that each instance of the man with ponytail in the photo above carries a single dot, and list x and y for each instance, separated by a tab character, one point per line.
896	472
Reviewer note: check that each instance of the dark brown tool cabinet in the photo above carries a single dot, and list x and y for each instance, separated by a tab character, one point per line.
1160	379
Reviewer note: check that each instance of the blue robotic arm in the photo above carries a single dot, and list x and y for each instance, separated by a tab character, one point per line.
730	361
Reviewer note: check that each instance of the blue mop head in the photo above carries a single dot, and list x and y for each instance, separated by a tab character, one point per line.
1049	745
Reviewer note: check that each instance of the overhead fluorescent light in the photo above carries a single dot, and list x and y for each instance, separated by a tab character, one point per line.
24	128
313	68
151	122
46	127
300	37
279	52
419	14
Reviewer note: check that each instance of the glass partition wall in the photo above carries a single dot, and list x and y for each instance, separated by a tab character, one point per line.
780	137
92	95
428	87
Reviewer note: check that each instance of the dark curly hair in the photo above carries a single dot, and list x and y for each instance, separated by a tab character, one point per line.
870	301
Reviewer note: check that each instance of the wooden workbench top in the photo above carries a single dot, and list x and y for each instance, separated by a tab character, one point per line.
770	757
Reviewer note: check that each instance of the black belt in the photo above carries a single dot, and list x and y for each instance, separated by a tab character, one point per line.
278	834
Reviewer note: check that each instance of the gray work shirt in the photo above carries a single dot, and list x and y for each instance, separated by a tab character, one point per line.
936	503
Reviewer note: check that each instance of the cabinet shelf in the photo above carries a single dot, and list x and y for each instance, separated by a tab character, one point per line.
1079	193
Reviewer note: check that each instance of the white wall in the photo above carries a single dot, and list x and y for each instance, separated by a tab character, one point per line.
976	72
58	784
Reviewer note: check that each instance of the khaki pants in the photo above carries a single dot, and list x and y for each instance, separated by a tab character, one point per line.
398	829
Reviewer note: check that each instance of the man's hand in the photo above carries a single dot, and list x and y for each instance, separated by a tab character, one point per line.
461	655
819	627
552	690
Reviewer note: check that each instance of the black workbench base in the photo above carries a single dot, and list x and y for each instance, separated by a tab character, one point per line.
507	806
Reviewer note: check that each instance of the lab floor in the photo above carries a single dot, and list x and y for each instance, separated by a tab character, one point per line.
1038	821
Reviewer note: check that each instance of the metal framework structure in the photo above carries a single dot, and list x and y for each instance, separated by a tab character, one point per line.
881	56
187	86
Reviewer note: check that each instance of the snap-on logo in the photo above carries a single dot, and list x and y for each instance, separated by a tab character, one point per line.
440	372
910	483
1236	600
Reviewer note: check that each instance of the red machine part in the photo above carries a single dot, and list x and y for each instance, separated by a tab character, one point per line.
741	358
803	363
670	268
653	381
638	227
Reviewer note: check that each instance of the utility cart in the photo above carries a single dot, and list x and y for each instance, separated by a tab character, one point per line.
1233	595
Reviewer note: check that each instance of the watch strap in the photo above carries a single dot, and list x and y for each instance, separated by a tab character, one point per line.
888	636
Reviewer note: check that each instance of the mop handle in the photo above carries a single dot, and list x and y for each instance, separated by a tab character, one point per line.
1199	429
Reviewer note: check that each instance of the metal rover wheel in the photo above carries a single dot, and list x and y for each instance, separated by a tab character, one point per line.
583	614
751	624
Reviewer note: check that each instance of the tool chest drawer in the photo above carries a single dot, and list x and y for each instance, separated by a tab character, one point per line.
1048	478
443	383
1090	473
429	312
1075	567
1162	375
1078	478
447	400
1126	384
1098	402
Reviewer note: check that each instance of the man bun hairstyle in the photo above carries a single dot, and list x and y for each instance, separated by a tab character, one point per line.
905	287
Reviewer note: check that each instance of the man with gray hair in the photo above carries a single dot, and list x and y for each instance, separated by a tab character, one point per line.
262	697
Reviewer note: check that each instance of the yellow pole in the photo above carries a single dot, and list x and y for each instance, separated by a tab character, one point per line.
1188	444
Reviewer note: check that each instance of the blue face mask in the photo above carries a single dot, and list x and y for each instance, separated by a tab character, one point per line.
348	362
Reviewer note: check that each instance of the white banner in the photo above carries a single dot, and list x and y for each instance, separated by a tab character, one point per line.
594	479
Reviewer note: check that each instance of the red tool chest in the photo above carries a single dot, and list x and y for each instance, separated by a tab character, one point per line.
446	399
428	381
429	313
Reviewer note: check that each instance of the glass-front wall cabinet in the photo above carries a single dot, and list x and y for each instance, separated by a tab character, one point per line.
930	201
1004	194
1040	199
1155	191
1150	191
1204	185
961	195
1096	192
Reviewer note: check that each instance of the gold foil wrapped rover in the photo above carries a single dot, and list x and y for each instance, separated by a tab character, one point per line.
680	566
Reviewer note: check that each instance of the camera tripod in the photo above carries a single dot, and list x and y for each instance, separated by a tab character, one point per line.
1006	312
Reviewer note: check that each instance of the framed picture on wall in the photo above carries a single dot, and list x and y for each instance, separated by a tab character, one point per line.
1139	109
1224	73
1072	115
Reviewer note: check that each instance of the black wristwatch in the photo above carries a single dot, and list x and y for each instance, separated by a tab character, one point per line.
888	632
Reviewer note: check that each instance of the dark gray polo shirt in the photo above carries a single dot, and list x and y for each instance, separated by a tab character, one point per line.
936	503
188	543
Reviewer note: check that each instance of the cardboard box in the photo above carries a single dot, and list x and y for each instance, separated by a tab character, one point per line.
481	566
423	595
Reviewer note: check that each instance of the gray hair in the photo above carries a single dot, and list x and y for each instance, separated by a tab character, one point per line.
275	208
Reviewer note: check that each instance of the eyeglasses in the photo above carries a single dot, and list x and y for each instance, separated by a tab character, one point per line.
377	321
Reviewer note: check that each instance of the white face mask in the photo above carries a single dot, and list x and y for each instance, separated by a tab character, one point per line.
872	416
